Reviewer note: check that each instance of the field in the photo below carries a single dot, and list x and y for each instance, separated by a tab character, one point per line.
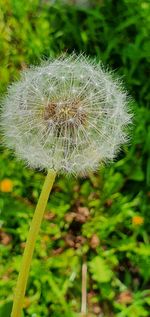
103	219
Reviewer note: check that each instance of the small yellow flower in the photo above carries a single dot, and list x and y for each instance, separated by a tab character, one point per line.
137	220
6	185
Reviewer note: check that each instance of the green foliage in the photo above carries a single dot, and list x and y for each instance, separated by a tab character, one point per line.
101	273
103	219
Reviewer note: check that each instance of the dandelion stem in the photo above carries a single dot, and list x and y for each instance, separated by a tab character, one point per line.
30	243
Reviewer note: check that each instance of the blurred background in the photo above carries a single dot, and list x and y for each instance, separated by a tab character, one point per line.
104	219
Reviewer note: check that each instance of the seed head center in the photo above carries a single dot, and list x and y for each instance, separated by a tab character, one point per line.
62	112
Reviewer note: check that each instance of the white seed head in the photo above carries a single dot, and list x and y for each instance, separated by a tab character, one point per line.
67	114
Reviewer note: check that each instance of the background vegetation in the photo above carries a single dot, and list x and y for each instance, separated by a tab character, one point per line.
103	219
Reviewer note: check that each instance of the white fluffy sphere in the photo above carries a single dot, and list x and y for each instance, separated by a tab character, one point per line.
68	114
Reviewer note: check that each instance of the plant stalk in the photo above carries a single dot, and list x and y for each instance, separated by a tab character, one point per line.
30	244
84	290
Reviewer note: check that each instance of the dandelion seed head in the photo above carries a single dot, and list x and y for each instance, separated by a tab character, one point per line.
67	114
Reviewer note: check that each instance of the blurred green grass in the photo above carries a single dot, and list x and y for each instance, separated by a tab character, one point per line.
105	217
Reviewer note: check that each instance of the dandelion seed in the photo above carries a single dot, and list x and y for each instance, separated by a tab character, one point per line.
67	114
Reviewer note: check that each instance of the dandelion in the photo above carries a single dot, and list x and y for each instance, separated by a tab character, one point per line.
66	116
6	185
137	220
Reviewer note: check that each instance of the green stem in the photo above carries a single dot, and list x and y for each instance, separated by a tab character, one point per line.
30	243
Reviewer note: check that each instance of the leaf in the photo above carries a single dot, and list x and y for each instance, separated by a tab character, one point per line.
100	270
5	309
148	172
137	174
